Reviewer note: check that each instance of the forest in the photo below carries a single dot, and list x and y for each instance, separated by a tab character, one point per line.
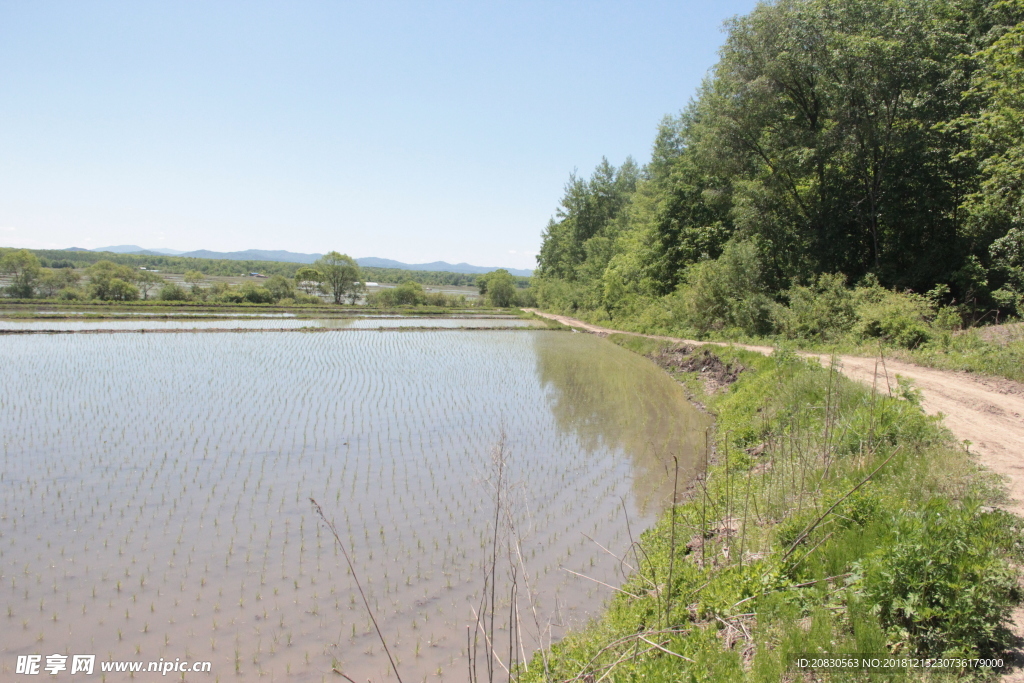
845	166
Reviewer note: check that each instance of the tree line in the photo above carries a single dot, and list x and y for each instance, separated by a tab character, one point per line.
178	265
878	142
335	275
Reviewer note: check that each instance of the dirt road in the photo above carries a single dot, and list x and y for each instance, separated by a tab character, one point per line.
988	412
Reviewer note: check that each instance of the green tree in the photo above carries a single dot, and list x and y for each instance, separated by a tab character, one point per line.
121	290
24	270
111	281
68	277
49	283
173	292
146	281
358	290
340	274
996	131
728	292
196	279
588	211
408	293
280	287
308	279
500	288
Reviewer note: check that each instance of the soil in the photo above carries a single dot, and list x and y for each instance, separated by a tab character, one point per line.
985	413
713	372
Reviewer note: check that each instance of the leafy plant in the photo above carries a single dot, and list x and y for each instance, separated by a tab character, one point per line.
943	584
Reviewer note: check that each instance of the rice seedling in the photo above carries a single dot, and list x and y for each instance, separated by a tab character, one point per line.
134	490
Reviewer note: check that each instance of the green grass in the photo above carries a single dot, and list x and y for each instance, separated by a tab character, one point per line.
831	520
969	350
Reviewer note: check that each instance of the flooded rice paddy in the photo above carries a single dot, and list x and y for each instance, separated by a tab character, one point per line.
154	499
345	323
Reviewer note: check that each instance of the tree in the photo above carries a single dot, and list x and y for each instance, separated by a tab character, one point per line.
408	293
500	288
49	283
358	289
280	287
340	274
996	131
24	270
110	281
173	292
308	279
195	279
121	290
68	277
146	280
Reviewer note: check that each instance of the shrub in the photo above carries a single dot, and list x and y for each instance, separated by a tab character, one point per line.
71	294
255	294
408	293
943	584
301	298
112	282
822	311
900	318
173	292
526	298
280	287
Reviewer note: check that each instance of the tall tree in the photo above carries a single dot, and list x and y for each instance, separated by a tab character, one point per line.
340	274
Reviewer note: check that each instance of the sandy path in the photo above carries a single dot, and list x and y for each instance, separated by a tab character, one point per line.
987	411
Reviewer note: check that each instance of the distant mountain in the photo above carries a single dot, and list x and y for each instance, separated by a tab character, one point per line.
295	257
134	249
444	266
254	255
248	255
121	249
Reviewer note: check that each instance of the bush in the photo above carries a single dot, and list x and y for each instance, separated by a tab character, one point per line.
823	311
255	294
526	298
280	287
71	294
173	292
559	295
408	293
301	298
943	584
899	318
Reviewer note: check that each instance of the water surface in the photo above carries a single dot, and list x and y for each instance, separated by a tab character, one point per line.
155	491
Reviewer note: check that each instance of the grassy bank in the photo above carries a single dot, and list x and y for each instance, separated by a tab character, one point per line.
831	520
983	350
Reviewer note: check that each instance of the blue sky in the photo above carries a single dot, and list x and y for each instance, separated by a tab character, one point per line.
414	131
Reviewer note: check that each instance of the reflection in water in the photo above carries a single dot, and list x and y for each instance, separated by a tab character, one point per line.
172	506
613	399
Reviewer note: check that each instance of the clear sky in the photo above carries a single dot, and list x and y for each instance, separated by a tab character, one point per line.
417	131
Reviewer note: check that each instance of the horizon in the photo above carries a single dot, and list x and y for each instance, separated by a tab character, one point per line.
137	249
441	132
